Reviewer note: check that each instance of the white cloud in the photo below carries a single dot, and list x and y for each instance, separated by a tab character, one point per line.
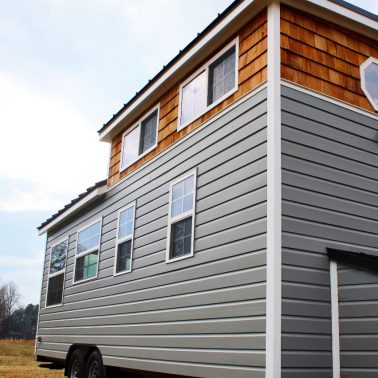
48	143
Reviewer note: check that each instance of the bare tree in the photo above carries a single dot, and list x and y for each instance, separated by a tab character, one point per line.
9	302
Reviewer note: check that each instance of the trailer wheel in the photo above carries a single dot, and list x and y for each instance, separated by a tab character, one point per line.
95	367
75	368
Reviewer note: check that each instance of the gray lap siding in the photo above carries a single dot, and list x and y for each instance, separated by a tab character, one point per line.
204	315
329	199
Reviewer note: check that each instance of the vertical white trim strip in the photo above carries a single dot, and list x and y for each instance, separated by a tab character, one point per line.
335	320
273	292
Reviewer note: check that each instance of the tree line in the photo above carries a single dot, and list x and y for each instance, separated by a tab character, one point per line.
16	321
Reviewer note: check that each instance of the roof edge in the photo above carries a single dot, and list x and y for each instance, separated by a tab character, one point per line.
81	201
360	14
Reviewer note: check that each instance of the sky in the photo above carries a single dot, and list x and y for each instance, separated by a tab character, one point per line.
65	67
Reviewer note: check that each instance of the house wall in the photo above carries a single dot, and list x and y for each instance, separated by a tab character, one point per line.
202	316
358	324
252	72
324	57
329	199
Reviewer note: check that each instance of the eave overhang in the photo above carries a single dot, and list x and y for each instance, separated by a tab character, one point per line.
83	200
222	28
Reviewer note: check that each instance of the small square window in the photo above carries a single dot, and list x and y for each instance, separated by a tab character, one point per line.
181	238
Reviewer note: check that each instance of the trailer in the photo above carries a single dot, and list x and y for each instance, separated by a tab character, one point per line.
236	234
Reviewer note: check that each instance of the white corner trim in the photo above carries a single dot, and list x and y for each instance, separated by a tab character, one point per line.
335	320
364	65
273	291
81	203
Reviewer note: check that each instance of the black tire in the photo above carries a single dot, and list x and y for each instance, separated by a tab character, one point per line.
75	368
94	367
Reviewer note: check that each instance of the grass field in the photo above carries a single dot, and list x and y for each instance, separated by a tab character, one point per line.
17	360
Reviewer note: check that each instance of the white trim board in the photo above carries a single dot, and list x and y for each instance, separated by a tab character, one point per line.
327	98
335	319
274	227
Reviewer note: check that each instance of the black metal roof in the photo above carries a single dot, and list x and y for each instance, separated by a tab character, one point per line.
220	17
73	202
356	9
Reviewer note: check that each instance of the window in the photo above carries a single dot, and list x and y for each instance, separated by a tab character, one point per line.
210	85
181	218
57	268
369	80
87	251
124	247
140	139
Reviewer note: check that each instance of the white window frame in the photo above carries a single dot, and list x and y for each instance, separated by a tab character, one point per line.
363	81
205	68
139	124
82	254
62	271
124	239
172	220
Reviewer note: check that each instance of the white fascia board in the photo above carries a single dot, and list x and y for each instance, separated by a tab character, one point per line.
337	14
78	205
209	42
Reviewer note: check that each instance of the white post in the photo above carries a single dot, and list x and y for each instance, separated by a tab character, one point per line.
335	320
273	299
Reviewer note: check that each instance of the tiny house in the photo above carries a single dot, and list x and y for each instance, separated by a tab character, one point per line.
236	234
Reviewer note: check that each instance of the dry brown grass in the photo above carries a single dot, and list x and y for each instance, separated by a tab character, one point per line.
17	360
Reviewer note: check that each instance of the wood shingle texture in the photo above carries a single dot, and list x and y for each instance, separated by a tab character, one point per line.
324	57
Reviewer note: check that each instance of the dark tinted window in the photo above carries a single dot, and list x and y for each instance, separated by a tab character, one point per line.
181	237
55	290
222	76
124	256
148	132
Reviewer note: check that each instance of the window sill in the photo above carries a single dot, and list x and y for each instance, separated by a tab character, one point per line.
56	305
168	261
123	272
82	281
